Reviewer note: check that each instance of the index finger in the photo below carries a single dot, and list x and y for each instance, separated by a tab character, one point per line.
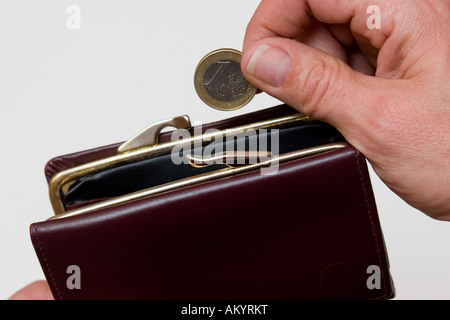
292	18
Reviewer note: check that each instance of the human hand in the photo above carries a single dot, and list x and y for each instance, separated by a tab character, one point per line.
386	90
38	290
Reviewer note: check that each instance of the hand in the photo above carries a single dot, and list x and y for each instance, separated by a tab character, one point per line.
387	90
38	290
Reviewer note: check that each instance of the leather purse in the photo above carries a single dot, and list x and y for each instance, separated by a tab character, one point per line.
186	218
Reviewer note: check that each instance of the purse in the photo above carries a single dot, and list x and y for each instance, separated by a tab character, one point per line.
271	205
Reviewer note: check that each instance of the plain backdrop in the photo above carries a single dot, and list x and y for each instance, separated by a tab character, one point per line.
132	63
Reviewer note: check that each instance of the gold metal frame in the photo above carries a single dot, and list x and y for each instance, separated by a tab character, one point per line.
61	182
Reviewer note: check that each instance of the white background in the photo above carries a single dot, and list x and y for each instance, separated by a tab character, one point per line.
132	63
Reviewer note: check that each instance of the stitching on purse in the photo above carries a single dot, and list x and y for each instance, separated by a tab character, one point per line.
41	249
372	225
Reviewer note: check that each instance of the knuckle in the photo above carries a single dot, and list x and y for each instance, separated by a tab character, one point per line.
315	85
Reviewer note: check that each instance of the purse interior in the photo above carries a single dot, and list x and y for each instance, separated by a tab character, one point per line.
144	174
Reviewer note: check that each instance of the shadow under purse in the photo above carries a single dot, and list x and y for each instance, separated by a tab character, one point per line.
266	206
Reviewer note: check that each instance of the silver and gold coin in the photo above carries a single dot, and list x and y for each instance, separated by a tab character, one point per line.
220	83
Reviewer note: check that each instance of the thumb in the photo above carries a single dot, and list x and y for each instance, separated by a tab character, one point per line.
315	83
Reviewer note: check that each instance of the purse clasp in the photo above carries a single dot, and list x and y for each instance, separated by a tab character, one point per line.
150	135
232	159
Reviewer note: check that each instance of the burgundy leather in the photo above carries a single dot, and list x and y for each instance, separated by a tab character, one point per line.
308	232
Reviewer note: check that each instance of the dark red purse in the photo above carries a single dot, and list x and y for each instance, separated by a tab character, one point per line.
131	223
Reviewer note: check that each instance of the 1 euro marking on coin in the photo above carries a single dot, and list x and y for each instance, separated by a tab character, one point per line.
220	83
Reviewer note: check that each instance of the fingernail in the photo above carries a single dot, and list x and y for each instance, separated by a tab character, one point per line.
270	65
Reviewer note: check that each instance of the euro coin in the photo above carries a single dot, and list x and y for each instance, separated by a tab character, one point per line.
220	83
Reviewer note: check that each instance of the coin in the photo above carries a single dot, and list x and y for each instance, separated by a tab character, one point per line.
219	81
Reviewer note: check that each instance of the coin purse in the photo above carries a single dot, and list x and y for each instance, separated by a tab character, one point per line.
270	205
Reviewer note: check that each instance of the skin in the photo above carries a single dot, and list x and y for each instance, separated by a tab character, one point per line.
38	290
387	90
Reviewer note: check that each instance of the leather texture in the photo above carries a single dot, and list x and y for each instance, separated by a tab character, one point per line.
308	232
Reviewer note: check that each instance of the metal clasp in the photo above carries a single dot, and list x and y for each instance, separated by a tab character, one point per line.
233	159
150	135
146	145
